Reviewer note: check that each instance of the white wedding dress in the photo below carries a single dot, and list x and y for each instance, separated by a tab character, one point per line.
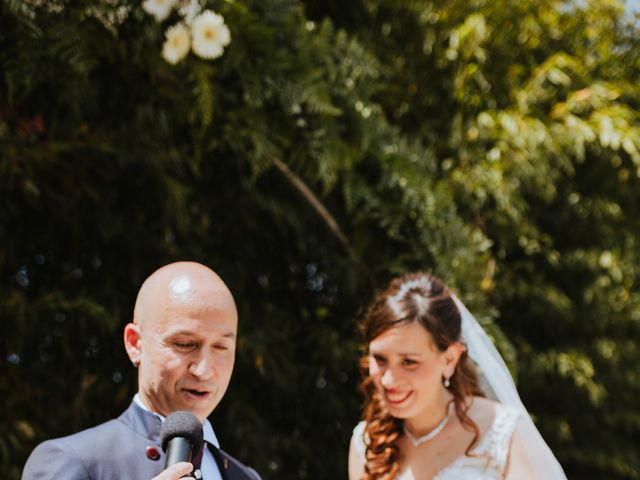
489	456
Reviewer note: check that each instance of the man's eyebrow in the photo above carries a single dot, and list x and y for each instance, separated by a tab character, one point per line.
191	333
180	334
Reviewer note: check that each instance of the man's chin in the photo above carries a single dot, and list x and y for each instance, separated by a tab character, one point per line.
199	406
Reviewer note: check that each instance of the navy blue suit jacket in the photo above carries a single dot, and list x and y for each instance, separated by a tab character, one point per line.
114	450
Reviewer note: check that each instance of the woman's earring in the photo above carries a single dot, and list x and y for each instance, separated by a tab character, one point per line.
446	382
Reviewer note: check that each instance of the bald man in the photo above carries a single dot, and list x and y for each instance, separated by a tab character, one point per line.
182	340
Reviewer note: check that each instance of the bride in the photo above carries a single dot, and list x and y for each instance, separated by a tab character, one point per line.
425	415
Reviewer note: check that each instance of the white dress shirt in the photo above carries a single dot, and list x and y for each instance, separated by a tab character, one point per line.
209	467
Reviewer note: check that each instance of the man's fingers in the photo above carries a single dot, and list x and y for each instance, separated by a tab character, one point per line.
175	472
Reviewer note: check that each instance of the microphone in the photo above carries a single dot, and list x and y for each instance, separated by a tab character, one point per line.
181	437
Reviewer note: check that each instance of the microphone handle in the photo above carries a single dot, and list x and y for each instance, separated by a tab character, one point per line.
178	450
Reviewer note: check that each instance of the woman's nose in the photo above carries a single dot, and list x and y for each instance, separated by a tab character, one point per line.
388	378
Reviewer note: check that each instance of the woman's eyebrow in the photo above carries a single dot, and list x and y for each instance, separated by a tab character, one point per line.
402	354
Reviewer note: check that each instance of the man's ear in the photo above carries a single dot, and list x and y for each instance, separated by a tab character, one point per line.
132	343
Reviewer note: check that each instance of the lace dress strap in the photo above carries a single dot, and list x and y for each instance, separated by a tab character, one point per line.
497	440
358	439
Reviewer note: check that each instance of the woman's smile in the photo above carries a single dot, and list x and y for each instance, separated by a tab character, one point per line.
396	397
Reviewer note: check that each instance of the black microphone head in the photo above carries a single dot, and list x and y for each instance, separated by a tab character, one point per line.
185	425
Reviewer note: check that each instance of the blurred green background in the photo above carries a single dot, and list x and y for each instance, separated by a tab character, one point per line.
334	144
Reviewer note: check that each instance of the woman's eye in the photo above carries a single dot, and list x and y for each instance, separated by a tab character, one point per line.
379	359
409	362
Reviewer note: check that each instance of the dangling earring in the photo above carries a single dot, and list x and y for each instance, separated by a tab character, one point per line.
446	382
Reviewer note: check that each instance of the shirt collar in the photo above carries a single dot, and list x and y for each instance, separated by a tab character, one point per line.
207	428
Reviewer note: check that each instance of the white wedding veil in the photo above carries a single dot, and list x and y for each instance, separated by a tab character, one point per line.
481	350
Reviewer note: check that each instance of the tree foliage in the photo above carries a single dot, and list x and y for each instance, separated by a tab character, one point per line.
332	146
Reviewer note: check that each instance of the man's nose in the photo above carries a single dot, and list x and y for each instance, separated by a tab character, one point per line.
202	366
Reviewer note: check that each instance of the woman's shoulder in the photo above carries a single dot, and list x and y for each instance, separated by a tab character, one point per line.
483	403
358	430
358	441
357	450
484	411
497	423
360	425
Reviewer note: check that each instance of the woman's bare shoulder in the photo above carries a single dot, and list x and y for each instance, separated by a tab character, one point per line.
482	411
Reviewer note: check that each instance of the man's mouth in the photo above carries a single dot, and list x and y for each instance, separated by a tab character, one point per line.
197	392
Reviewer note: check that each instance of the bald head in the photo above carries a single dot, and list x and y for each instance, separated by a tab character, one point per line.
183	339
185	283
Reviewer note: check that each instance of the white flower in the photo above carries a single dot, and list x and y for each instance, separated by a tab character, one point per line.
160	9
177	43
189	9
210	35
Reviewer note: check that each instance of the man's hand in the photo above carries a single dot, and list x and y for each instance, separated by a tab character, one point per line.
175	472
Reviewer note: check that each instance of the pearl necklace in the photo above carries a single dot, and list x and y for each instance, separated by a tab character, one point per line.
429	435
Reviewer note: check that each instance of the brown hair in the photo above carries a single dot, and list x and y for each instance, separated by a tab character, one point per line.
423	298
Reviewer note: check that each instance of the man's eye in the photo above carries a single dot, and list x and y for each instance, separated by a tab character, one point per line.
221	347
184	345
409	362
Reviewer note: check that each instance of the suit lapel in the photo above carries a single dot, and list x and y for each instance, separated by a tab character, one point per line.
143	422
147	424
221	460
